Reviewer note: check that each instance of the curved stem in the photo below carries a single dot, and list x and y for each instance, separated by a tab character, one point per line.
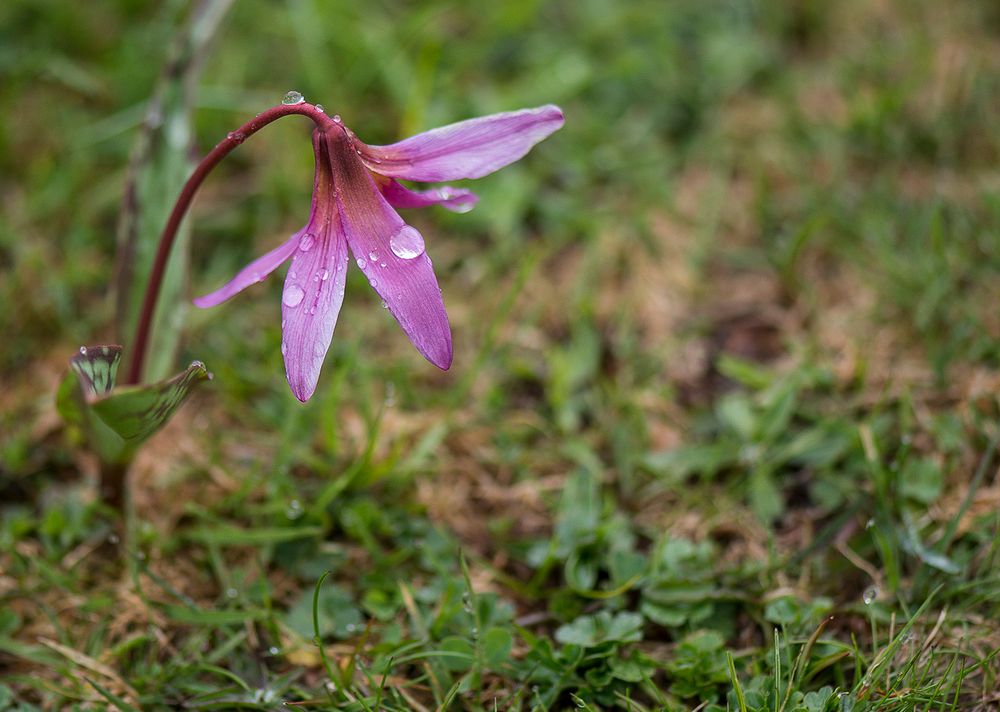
169	234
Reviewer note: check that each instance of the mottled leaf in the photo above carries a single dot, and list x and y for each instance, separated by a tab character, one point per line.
136	412
96	368
113	422
90	377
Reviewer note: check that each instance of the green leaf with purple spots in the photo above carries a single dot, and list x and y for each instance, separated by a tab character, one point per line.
115	421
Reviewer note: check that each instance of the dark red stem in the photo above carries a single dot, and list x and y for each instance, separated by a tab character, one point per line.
169	234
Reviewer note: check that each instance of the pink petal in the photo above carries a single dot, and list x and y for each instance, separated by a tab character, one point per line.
391	255
468	149
310	304
457	200
254	272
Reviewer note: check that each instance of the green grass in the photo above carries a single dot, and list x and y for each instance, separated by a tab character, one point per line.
722	426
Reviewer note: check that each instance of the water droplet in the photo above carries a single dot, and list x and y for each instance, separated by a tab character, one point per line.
869	524
284	348
236	136
336	118
293	295
273	650
232	593
382	264
362	262
869	595
373	256
307	241
294	509
113	539
324	274
312	310
374	282
293	97
319	107
83	350
350	627
407	243
385	304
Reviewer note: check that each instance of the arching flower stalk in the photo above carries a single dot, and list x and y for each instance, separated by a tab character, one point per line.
356	190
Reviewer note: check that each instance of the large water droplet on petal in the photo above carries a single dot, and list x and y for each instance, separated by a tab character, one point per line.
307	241
362	262
293	295
319	107
407	243
293	97
373	256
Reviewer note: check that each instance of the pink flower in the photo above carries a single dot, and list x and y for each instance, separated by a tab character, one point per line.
355	191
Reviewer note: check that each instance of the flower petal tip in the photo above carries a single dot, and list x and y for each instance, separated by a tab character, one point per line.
443	360
301	395
301	386
439	350
555	114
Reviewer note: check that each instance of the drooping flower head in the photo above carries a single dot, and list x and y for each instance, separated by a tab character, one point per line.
354	196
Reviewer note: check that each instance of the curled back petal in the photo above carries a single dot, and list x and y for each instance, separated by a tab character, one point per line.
254	272
457	200
468	149
391	254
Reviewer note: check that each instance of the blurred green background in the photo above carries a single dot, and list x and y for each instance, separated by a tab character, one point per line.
726	365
